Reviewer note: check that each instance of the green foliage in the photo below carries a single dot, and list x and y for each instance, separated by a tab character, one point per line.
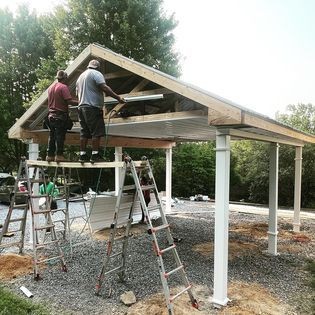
300	117
12	304
136	29
252	162
193	169
23	45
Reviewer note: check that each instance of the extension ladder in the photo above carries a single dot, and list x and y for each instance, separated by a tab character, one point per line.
43	227
117	251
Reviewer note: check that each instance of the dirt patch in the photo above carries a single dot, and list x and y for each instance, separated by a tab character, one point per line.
136	229
12	266
260	231
236	249
252	299
246	299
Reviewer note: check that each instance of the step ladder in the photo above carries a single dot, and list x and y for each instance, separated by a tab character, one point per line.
46	245
15	222
116	254
68	220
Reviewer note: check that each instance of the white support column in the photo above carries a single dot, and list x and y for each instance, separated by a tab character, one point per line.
297	189
168	184
221	237
273	198
33	152
118	158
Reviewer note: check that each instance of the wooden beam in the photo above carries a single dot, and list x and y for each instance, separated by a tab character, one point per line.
70	164
177	86
241	134
117	74
271	126
73	138
160	117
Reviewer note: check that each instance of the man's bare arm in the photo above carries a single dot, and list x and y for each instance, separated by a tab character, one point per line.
108	91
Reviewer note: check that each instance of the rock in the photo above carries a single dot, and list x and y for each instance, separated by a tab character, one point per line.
128	298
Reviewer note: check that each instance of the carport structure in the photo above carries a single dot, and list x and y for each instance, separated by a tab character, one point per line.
161	111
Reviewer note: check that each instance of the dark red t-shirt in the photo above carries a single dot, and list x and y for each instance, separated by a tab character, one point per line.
57	96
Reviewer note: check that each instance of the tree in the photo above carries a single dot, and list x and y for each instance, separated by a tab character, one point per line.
23	44
302	117
136	29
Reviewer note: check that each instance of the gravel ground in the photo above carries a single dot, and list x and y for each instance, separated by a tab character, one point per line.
193	222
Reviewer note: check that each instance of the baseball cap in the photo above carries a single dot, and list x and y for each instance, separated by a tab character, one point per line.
61	75
94	64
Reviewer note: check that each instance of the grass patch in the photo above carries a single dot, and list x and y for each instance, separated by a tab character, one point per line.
11	304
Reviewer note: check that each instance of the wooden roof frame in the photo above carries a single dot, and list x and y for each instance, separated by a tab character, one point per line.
221	113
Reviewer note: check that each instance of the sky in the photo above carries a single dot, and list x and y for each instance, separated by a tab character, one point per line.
256	53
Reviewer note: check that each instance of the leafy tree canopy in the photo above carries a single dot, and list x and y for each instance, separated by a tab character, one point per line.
136	29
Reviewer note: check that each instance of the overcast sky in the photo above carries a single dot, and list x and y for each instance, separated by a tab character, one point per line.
256	53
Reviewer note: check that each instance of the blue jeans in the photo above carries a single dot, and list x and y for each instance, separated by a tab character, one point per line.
57	135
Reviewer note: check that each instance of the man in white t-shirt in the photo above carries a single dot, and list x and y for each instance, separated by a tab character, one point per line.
91	87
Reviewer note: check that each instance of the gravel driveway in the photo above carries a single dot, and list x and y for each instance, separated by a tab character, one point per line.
193	223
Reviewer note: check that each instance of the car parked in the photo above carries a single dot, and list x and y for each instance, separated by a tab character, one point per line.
7	188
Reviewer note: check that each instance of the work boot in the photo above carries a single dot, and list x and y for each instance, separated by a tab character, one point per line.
50	158
96	158
83	158
60	158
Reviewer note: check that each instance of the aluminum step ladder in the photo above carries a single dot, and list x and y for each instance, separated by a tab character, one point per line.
15	221
115	259
69	220
46	247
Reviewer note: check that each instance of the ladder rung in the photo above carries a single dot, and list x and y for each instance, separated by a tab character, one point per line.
110	271
39	196
48	259
11	232
20	206
42	245
120	237
59	209
129	187
44	227
61	220
41	211
162	251
155	207
4	245
167	274
73	183
21	193
172	298
16	220
147	187
36	181
78	217
161	227
115	255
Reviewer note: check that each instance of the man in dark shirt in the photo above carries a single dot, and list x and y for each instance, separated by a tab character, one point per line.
59	98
